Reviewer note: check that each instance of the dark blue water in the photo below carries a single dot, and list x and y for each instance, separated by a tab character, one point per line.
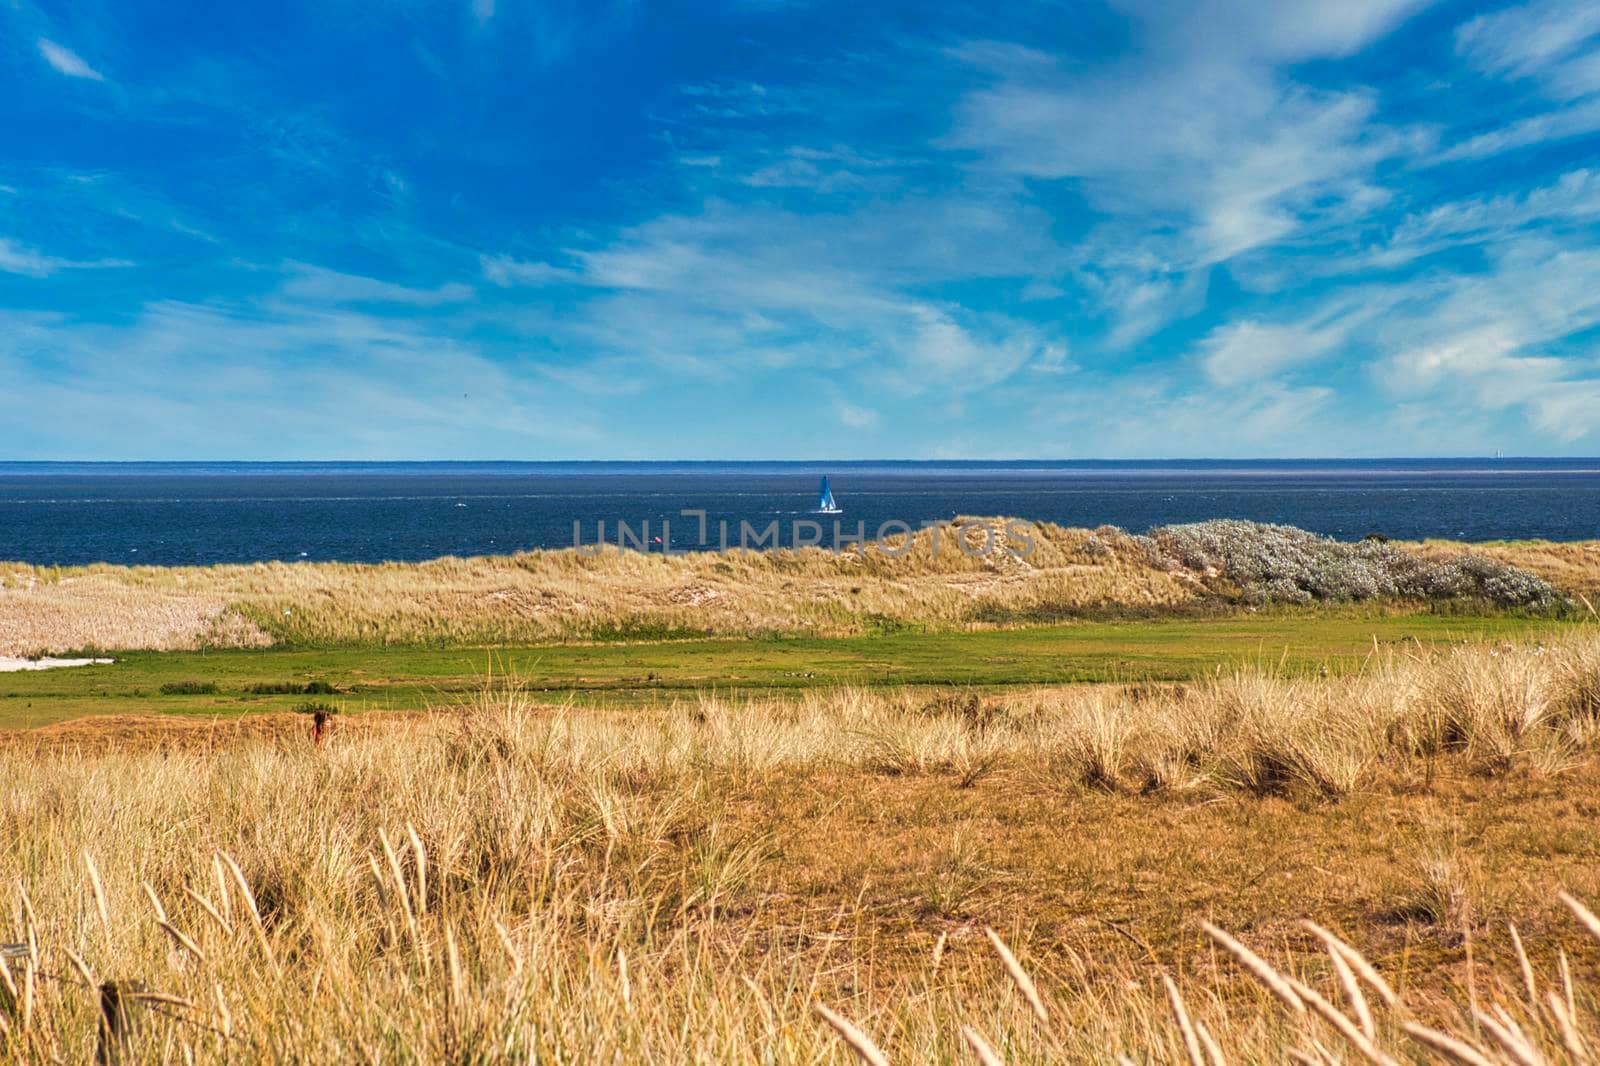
208	513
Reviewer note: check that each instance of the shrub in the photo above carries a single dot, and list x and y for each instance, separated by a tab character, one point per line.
293	688
189	688
1283	564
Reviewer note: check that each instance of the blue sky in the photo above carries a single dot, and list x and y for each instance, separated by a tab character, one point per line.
541	229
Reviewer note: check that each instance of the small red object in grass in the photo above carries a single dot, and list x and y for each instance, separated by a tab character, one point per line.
319	727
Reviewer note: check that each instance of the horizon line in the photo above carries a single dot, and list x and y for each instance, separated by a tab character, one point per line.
808	460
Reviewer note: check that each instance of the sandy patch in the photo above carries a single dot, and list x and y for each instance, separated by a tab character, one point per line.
8	665
96	611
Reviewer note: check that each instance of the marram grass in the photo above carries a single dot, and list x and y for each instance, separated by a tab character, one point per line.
508	882
550	595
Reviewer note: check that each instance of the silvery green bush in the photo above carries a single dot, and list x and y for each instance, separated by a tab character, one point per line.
1283	564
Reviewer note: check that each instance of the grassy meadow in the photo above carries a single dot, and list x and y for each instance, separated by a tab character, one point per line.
227	683
800	808
1013	876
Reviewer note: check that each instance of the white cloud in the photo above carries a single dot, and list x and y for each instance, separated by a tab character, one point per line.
15	259
1230	156
854	416
754	285
1534	40
1512	338
318	285
1228	160
1144	297
1201	131
1575	121
1579	76
1448	350
67	62
1285	32
1039	289
317	383
1456	356
1553	44
505	271
1250	351
1254	350
936	349
1052	359
1488	367
1147	415
19	259
1572	198
824	171
837	255
1196	149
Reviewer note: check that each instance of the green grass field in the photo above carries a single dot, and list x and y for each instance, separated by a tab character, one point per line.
406	677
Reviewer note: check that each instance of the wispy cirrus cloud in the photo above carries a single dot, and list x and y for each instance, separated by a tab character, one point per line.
1508	338
1550	41
19	259
1550	46
734	286
314	284
1573	199
505	271
1152	229
318	382
66	61
1512	338
1231	154
1578	120
1250	351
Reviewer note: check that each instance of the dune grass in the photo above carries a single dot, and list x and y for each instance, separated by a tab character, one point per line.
693	882
545	596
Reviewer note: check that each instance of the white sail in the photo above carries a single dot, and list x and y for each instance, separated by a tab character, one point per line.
825	501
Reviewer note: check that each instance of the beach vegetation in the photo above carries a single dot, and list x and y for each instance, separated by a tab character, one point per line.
544	596
1394	864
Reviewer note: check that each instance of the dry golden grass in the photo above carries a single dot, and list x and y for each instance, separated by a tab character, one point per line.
96	611
549	594
949	878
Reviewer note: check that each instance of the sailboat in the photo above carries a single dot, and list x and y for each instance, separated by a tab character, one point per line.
825	501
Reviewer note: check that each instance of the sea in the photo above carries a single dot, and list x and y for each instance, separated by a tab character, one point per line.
202	513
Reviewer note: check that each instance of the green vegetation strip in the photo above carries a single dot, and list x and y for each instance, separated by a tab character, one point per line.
238	682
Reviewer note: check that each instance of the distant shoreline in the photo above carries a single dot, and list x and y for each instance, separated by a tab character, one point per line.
600	467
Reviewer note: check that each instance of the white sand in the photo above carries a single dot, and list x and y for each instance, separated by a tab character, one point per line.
9	665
